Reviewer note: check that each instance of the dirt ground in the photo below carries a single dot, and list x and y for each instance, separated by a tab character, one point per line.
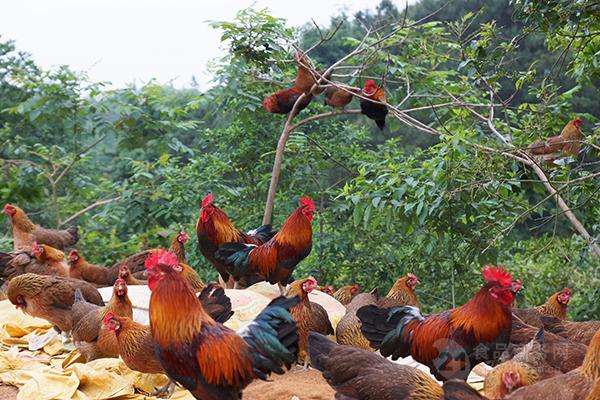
308	385
8	392
304	385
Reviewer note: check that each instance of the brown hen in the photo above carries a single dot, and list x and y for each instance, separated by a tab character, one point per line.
50	297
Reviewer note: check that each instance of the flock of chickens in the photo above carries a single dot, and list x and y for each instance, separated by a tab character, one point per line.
537	353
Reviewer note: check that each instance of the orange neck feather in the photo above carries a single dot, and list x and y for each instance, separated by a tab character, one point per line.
296	230
591	362
178	248
483	315
176	314
21	221
220	229
51	254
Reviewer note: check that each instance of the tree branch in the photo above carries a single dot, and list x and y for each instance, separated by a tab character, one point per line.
87	209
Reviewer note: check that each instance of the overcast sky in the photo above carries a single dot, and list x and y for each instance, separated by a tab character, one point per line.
123	41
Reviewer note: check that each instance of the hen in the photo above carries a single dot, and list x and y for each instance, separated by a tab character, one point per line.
400	294
275	260
282	102
568	143
214	229
345	294
309	316
210	360
560	353
574	385
581	332
327	289
50	297
23	261
347	331
338	98
453	342
507	377
372	110
556	306
89	335
356	374
26	232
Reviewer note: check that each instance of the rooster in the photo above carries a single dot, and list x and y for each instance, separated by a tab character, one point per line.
50	297
345	294
356	374
210	360
374	111
26	232
282	102
309	316
89	335
136	344
276	259
453	342
568	143
214	229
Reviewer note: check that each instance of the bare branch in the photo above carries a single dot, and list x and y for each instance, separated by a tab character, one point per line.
88	208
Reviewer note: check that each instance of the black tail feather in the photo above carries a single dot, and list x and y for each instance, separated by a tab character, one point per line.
216	303
380	124
273	338
235	255
383	327
263	232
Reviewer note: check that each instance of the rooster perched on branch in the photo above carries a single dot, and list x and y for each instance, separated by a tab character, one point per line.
214	229
276	259
375	111
453	342
208	359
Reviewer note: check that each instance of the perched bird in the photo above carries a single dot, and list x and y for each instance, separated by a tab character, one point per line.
581	332
210	360
50	297
89	335
276	259
337	97
348	330
80	268
214	229
21	262
282	102
374	111
568	143
556	306
345	294
309	316
453	342
26	232
573	385
356	374
507	377
52	258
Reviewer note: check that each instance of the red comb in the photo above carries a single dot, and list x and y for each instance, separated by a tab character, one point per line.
497	275
161	257
307	202
120	281
107	317
208	200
